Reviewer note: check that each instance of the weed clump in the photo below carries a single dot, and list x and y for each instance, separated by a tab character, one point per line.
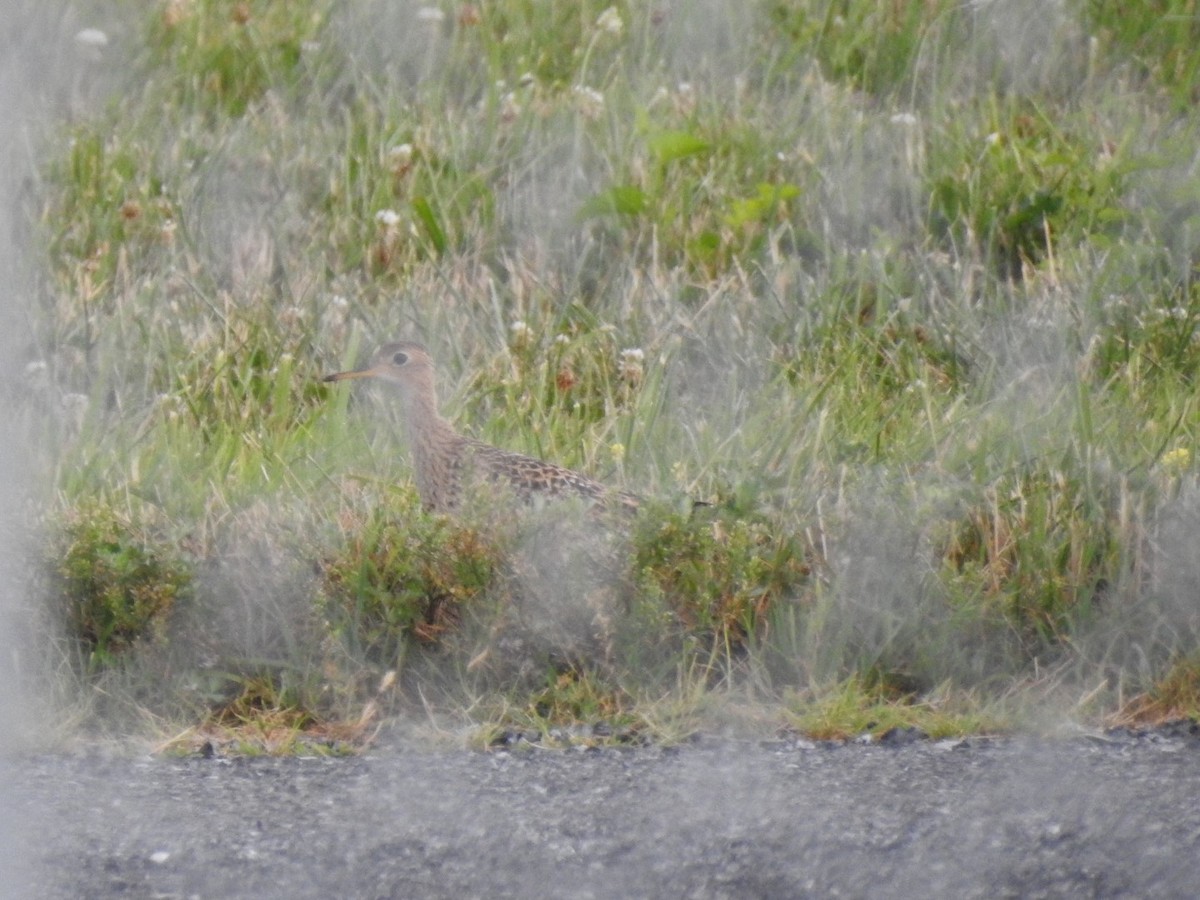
402	578
718	574
116	583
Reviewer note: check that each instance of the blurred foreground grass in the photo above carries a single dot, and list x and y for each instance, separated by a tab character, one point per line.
906	292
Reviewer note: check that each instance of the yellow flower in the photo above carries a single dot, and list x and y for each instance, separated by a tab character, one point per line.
1175	461
618	452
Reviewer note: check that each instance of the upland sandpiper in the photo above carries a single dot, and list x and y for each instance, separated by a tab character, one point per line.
445	462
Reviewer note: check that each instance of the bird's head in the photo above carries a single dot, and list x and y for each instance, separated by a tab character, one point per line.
405	363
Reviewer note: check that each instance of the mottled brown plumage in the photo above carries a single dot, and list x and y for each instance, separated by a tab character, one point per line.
445	461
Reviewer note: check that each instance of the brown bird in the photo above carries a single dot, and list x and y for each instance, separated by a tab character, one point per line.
445	461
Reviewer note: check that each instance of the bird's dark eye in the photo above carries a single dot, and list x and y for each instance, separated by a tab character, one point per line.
400	358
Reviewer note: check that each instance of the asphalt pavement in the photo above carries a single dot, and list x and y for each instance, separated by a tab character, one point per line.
1096	815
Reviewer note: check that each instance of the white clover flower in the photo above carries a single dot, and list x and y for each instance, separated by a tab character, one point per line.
631	364
431	15
90	42
685	98
400	156
388	218
610	21
509	107
562	339
91	38
589	100
521	332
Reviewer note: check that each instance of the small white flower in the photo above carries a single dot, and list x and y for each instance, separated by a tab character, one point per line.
610	21
92	38
339	302
430	14
91	43
992	139
400	155
685	98
522	335
509	107
903	119
590	100
631	364
388	218
562	339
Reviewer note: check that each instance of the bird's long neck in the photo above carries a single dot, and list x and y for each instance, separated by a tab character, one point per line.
434	443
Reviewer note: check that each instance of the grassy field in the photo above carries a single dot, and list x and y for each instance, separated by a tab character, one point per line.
906	292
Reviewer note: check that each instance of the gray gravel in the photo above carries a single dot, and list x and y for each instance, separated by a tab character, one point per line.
1087	817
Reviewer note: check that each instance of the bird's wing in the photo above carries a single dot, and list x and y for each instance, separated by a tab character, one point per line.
530	477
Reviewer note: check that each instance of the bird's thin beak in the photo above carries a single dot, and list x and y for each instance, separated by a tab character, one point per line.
355	373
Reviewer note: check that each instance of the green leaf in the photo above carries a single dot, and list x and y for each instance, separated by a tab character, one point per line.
429	219
621	199
757	208
669	146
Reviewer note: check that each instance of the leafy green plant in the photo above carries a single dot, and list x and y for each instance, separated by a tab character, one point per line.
1041	549
718	573
401	580
116	585
1020	188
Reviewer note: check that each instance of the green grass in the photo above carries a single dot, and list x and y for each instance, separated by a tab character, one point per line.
906	293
